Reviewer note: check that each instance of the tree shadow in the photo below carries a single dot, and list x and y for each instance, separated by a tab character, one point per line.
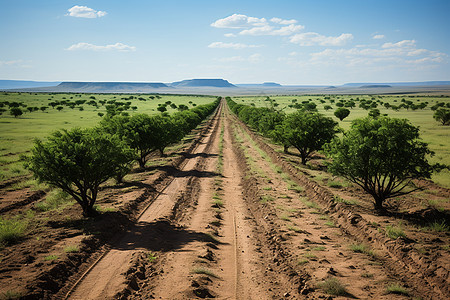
202	154
159	235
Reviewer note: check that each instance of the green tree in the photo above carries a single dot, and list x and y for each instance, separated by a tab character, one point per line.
16	111
442	115
374	113
78	161
382	156
308	132
341	113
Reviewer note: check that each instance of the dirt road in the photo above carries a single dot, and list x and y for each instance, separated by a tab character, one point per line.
233	225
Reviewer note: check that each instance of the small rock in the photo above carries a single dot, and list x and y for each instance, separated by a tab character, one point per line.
324	237
286	294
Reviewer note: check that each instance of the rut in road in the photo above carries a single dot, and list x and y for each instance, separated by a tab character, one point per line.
225	266
107	277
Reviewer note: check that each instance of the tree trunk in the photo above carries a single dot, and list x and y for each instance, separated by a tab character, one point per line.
88	210
161	152
378	204
142	162
286	149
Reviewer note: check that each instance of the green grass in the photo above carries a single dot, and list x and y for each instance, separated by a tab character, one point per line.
332	286
395	288
17	134
267	188
71	249
266	199
330	224
361	248
285	218
51	257
437	226
217	203
151	257
431	131
10	295
338	199
367	275
318	248
11	231
302	261
395	232
204	271
55	199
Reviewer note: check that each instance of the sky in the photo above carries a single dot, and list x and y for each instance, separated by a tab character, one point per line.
303	42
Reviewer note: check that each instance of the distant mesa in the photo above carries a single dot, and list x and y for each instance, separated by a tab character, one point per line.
271	84
370	86
202	83
331	87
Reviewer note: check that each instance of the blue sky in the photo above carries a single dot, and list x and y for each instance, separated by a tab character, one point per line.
289	42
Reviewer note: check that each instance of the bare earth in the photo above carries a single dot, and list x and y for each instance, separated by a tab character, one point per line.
236	219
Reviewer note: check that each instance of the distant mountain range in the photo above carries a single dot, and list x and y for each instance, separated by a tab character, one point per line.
17	84
218	86
221	83
419	83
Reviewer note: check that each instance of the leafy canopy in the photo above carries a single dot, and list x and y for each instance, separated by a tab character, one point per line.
381	155
309	132
78	161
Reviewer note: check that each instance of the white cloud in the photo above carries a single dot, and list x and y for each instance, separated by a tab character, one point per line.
378	37
401	44
394	55
269	30
86	46
239	21
283	22
313	38
231	45
230	35
85	12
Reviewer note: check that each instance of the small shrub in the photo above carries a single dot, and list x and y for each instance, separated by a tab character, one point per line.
361	248
330	224
302	261
51	257
204	272
10	295
151	257
395	288
438	226
266	199
11	231
394	232
332	286
71	249
217	203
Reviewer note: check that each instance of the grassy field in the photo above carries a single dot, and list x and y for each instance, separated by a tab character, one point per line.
17	134
431	131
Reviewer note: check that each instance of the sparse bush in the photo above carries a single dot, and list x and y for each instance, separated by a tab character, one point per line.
332	286
78	161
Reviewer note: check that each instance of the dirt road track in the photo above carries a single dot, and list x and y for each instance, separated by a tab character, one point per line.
107	278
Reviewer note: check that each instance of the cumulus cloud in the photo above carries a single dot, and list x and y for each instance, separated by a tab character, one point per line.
116	47
378	37
313	38
401	44
239	21
398	53
283	22
231	45
270	30
230	35
85	12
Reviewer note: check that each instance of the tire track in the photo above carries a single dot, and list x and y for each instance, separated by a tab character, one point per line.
106	277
